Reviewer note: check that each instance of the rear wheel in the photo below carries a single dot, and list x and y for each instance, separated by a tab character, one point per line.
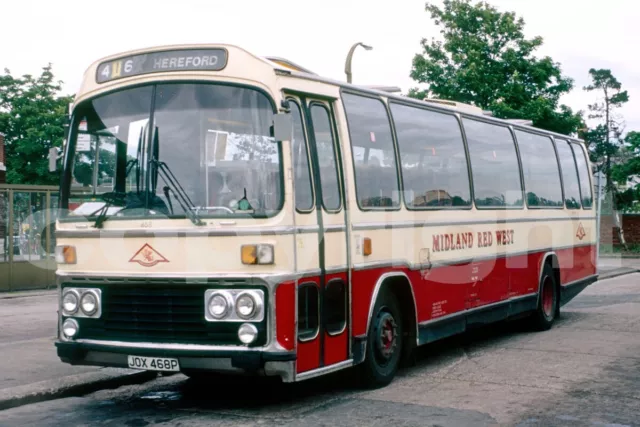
384	342
547	309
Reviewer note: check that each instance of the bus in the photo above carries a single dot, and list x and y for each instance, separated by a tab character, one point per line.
223	212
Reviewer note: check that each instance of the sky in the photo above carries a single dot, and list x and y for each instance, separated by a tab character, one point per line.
71	34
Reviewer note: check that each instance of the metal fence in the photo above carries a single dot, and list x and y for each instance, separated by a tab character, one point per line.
27	240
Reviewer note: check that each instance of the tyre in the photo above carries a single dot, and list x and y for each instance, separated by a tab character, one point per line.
384	343
547	310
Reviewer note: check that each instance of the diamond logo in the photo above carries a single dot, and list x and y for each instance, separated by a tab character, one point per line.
581	233
147	256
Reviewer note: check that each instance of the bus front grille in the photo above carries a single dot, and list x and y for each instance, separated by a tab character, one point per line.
153	313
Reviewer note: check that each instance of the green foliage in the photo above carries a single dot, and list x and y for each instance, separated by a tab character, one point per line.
32	117
605	141
485	60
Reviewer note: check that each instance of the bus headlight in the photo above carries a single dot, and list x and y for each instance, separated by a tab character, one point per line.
218	306
247	333
70	300
70	328
245	306
89	303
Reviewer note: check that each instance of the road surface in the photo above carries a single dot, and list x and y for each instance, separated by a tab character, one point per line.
583	372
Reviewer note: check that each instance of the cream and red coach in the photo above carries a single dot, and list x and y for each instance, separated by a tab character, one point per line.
223	212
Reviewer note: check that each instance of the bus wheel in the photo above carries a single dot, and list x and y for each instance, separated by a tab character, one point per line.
547	309
384	342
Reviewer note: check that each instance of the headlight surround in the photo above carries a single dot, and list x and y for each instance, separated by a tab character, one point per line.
243	305
88	302
70	302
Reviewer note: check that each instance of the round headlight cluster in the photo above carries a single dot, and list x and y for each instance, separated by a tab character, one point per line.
232	305
80	302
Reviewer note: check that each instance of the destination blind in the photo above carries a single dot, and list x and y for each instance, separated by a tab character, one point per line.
154	62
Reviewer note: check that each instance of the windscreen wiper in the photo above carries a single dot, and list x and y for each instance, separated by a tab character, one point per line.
110	199
181	196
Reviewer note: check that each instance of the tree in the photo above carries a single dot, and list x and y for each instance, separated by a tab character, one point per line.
605	140
485	60
32	117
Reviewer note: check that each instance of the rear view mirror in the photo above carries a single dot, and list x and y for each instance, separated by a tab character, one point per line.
282	127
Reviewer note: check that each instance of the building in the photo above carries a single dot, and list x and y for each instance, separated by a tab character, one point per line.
3	167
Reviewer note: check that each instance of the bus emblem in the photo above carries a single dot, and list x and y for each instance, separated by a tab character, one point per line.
581	233
148	257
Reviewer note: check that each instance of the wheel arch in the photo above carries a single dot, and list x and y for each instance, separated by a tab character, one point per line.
550	258
400	284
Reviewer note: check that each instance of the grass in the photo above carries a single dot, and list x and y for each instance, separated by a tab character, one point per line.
632	249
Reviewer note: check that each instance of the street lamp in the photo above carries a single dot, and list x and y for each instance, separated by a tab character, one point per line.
347	65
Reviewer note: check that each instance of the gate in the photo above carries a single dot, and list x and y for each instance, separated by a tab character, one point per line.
27	241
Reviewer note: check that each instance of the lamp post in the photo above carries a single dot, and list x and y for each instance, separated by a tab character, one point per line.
347	65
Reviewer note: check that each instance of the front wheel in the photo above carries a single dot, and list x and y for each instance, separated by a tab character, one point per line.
384	342
547	309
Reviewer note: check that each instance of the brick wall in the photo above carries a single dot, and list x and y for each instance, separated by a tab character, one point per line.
630	226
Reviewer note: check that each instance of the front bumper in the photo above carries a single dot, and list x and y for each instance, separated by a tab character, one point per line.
245	361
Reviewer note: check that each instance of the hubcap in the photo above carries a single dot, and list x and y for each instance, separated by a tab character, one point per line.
547	297
386	337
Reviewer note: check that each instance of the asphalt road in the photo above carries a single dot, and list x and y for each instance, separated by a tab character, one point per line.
583	372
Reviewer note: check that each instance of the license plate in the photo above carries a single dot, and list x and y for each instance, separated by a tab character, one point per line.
154	363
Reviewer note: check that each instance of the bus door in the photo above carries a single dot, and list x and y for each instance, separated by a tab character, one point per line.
321	239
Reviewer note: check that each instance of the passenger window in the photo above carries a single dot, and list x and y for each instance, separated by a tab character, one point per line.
374	157
494	165
540	169
308	311
335	307
583	175
432	158
302	172
569	175
327	159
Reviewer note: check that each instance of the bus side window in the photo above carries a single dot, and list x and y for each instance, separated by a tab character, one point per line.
325	146
432	158
374	156
569	175
308	311
302	173
335	306
583	176
540	169
494	165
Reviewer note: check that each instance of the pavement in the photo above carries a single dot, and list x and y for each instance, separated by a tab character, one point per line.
498	376
31	370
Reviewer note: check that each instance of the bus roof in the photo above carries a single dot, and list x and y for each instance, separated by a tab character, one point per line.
285	67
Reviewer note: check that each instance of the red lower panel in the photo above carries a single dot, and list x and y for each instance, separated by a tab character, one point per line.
336	348
286	315
308	356
450	289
